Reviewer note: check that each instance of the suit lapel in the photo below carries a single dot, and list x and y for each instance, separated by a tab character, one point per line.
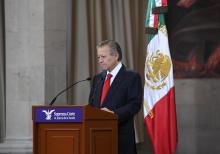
118	79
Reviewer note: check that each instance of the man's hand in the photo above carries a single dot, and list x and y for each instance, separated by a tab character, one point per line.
107	110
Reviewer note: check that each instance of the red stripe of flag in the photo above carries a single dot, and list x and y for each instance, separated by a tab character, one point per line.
155	21
164	2
162	128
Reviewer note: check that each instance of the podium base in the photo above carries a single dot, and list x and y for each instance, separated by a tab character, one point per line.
16	146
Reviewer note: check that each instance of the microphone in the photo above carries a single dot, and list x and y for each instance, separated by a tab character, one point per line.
54	99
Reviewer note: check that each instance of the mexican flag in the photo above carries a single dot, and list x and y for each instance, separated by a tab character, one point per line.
159	92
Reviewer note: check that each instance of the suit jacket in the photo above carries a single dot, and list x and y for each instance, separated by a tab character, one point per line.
125	99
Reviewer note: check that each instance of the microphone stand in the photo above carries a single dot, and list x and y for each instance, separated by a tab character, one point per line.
94	91
54	99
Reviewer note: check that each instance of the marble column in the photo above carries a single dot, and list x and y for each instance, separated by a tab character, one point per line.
25	71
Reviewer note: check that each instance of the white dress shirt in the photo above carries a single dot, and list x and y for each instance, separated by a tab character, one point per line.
114	72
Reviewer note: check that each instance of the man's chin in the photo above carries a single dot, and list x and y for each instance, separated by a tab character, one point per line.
104	68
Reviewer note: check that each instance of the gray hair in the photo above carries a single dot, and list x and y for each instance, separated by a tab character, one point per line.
113	45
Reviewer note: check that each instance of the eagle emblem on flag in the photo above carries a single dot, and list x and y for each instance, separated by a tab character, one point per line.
158	66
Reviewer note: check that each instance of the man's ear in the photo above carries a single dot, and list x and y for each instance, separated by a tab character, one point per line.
117	55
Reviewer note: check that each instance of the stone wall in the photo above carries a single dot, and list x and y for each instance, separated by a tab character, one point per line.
25	71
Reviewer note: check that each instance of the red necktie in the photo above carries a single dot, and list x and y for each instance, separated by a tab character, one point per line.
105	87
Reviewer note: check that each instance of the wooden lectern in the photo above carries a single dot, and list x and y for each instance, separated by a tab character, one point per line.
74	130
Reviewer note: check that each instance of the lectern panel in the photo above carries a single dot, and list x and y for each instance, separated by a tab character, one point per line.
60	139
101	140
101	137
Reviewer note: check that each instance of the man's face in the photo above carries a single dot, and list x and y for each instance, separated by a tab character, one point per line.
106	59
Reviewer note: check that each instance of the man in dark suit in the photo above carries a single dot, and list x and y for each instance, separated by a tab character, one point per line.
118	91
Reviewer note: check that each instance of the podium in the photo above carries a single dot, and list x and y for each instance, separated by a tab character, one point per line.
74	130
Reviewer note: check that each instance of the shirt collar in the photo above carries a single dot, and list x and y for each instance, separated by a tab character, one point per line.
115	71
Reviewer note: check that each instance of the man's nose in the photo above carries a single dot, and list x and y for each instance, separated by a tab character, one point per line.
100	60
